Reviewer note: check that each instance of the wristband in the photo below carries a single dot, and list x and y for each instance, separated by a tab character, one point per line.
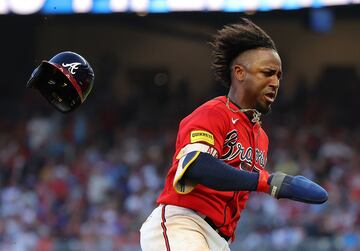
263	185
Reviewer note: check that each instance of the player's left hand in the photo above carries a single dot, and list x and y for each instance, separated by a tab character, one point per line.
296	188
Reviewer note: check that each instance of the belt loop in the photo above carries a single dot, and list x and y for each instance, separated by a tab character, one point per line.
213	226
217	230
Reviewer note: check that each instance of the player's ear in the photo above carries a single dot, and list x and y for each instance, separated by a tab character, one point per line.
239	72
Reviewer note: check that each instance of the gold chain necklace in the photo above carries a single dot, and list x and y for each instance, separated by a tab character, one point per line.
256	114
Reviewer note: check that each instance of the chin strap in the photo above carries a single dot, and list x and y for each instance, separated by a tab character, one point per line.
255	113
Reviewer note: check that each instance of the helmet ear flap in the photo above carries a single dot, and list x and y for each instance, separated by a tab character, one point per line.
39	75
33	81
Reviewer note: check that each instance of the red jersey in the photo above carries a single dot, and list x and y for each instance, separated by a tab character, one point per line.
231	137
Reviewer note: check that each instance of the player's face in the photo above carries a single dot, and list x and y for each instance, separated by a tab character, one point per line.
261	79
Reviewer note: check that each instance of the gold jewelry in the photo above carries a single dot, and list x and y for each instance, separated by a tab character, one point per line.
256	114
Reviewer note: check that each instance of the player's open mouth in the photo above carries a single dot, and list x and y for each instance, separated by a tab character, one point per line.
270	97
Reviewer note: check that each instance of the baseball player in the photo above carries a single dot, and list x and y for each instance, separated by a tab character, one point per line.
221	151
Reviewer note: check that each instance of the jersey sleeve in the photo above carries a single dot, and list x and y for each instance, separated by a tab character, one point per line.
206	126
203	131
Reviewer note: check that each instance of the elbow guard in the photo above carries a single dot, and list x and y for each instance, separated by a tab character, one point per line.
181	185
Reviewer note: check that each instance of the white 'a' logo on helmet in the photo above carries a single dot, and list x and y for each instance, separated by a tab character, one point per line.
72	67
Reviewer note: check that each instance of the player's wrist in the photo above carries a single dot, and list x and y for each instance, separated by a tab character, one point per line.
263	185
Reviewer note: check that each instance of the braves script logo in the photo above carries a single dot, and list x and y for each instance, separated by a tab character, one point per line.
233	149
72	67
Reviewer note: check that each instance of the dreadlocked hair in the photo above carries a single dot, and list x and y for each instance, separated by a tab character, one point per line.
231	41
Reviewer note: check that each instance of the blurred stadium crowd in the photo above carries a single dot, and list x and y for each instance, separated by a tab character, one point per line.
86	181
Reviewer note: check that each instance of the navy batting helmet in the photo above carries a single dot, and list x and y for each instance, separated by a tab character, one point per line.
65	80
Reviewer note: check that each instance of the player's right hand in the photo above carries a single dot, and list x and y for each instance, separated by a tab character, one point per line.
296	188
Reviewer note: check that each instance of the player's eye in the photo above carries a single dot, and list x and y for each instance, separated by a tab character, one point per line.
270	73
